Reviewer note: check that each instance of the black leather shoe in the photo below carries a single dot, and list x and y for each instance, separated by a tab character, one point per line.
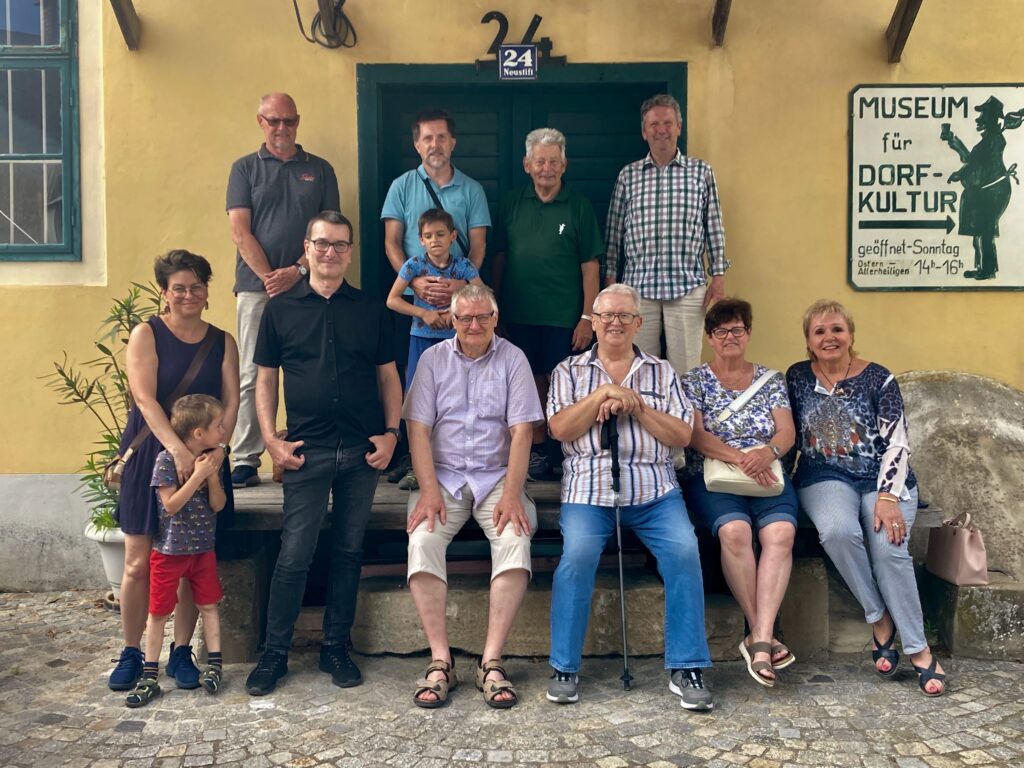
335	661
269	669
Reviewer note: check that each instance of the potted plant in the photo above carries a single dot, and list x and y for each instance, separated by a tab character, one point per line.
100	387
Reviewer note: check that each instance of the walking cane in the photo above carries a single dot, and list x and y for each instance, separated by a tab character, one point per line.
610	440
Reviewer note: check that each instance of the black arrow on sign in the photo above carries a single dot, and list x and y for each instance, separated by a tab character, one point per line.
947	225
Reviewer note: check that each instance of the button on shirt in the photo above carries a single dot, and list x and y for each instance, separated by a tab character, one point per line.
329	350
646	471
470	404
664	219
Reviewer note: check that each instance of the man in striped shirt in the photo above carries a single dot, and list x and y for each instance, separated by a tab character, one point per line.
615	380
663	217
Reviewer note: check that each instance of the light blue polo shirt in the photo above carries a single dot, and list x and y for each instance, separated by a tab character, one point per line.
408	199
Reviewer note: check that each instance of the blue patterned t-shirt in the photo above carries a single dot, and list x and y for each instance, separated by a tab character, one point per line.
459	268
190	532
856	434
753	425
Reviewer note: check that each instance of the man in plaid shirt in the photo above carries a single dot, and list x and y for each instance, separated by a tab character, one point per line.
663	216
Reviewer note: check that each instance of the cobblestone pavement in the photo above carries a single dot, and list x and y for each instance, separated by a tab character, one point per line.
55	709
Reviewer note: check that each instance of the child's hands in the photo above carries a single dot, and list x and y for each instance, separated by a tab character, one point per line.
437	320
206	465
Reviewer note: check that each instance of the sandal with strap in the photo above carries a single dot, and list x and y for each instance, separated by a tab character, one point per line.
439	688
885	651
756	667
144	692
926	674
786	660
491	688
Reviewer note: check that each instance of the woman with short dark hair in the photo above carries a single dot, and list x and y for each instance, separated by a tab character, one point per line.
158	356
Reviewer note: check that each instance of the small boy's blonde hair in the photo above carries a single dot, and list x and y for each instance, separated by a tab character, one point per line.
193	412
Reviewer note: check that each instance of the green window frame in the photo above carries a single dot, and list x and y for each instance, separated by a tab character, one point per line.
39	174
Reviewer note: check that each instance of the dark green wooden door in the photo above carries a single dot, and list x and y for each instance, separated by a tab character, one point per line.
601	122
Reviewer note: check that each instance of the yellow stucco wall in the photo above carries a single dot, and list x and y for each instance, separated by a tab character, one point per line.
769	111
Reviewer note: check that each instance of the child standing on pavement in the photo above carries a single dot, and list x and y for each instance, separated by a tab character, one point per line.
184	547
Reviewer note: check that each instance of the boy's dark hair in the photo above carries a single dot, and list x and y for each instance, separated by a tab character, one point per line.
434	215
330	217
194	412
177	260
724	310
429	116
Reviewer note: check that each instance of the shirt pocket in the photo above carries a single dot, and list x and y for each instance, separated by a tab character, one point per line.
492	398
654	400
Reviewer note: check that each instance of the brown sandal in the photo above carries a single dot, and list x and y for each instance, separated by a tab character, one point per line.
786	660
439	688
756	667
491	688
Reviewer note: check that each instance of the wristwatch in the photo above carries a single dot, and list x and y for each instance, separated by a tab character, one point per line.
303	272
394	431
775	450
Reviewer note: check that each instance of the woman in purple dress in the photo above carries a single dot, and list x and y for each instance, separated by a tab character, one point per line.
159	354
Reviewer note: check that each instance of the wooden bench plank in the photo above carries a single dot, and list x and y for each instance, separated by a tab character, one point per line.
259	508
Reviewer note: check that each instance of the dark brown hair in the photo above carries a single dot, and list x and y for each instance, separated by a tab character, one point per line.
429	116
330	217
724	310
435	215
177	260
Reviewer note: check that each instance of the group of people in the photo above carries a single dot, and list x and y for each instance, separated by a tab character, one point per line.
486	411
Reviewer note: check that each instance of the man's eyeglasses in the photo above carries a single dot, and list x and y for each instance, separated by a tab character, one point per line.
467	320
181	291
339	246
737	332
626	318
273	122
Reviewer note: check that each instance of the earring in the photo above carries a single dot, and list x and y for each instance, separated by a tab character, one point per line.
207	305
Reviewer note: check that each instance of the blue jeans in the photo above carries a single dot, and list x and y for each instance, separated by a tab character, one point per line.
665	529
344	474
879	573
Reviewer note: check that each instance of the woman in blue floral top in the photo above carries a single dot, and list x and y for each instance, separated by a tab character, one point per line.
751	439
855	482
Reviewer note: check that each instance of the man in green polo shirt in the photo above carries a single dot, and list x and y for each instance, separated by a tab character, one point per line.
547	272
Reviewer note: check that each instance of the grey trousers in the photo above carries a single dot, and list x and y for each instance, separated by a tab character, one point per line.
879	573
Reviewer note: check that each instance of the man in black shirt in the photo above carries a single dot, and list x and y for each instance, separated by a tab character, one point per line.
343	399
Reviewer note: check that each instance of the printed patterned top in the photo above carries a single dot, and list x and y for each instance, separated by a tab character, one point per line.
192	530
646	471
458	268
857	434
753	425
664	219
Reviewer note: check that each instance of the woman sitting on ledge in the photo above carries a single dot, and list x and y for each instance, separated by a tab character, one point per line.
855	482
750	439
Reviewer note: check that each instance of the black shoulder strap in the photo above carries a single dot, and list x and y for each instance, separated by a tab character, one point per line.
437	203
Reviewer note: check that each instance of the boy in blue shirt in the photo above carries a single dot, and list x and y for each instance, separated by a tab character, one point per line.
184	548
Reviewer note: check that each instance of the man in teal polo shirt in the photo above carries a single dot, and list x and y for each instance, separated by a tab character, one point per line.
547	272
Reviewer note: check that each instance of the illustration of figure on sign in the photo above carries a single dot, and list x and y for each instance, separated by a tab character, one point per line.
986	182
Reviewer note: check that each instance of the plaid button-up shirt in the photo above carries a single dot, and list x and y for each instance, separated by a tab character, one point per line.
645	464
665	219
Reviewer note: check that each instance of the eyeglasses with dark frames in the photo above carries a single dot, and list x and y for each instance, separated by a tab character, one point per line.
626	318
339	246
737	332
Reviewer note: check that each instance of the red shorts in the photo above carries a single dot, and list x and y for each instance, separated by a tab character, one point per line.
165	571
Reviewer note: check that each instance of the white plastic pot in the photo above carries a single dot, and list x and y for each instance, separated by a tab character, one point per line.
111	544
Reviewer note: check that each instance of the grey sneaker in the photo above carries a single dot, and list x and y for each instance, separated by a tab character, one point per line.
564	687
689	684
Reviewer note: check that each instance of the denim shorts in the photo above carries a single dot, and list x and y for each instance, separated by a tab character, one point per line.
716	509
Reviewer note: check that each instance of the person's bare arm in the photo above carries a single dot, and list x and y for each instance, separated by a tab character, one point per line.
509	508
590	274
248	246
477	245
394	233
430	504
389	388
229	386
573	421
281	451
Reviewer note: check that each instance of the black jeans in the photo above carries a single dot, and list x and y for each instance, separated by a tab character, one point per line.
345	475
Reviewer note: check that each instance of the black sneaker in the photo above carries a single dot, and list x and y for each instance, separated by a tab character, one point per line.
271	667
244	476
335	661
403	465
539	467
689	685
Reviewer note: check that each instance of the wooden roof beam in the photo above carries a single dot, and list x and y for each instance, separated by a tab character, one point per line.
128	21
899	27
719	21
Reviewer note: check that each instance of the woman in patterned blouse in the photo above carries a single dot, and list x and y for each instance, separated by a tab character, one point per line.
751	439
855	482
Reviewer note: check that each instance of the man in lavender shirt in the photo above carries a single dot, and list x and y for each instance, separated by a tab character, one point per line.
470	413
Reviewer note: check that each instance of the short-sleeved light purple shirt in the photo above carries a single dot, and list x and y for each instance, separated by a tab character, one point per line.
470	406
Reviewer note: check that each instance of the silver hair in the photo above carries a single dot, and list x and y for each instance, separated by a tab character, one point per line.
545	137
472	292
660	100
620	289
269	96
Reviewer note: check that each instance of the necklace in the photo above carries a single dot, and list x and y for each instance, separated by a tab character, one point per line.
832	387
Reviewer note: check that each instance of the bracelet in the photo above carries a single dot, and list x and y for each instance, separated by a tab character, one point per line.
886	496
585	317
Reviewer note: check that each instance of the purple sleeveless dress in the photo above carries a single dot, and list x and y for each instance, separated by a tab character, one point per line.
137	511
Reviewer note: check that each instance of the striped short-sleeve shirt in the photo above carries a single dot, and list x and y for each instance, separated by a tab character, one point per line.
646	470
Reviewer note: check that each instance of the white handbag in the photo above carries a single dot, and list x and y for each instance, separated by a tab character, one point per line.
723	477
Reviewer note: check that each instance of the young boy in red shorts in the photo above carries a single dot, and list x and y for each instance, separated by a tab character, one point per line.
184	547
